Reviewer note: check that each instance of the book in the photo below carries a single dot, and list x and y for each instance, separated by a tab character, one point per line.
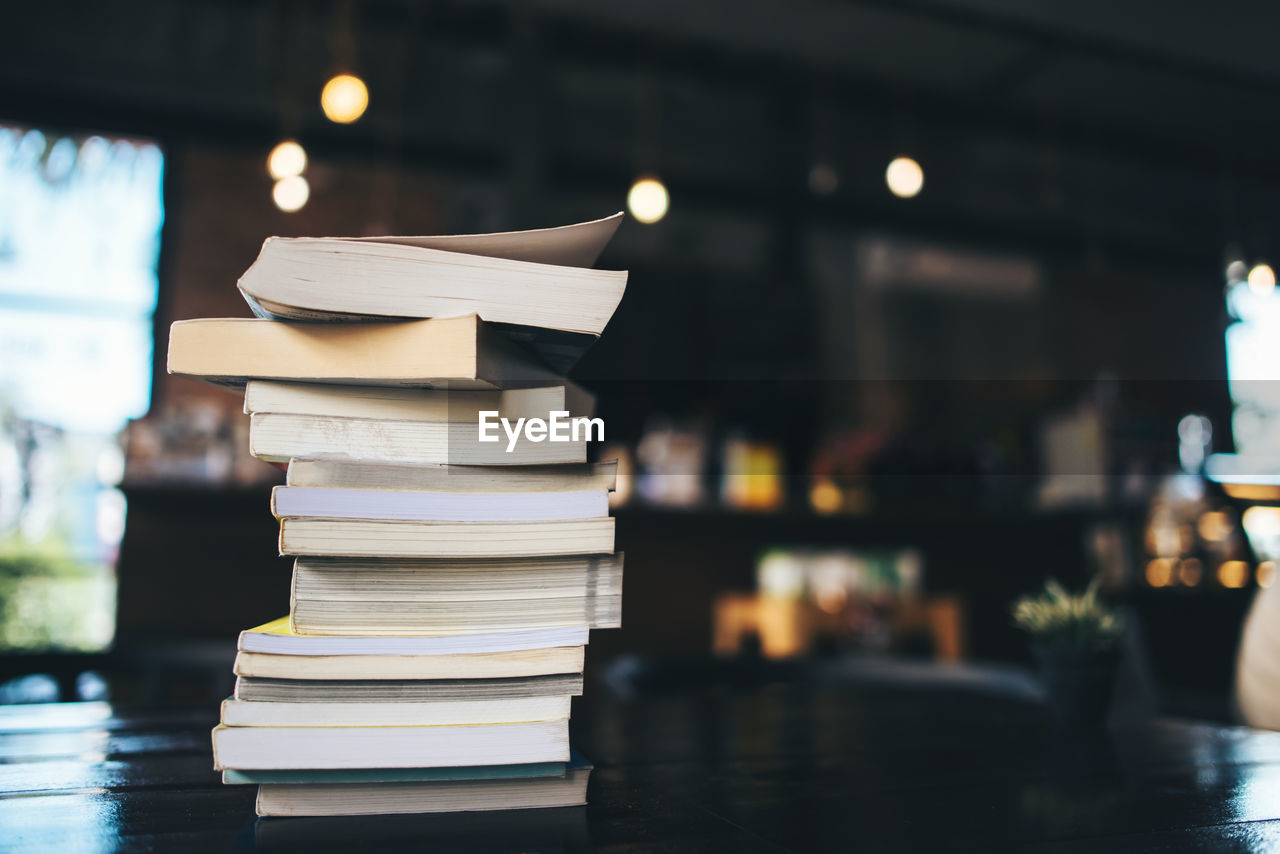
413	404
278	638
256	689
250	748
379	538
334	617
280	438
370	597
440	506
562	829
493	276
576	245
475	665
323	799
454	353
438	713
341	474
453	546
397	775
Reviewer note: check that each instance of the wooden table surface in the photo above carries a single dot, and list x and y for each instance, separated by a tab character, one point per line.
802	765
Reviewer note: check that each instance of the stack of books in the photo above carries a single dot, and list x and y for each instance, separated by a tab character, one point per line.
451	555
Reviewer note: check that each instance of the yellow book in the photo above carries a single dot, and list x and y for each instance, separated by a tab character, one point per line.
278	638
451	352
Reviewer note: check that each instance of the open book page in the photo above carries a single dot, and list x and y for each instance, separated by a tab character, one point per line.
577	245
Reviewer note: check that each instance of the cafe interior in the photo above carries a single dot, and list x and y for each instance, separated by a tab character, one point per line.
929	305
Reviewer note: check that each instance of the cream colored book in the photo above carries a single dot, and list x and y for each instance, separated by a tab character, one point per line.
339	474
442	713
476	665
453	352
504	278
280	438
336	799
332	617
371	538
278	638
411	404
397	597
576	245
284	748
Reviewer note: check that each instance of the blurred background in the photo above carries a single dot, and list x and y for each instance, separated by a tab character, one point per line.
929	302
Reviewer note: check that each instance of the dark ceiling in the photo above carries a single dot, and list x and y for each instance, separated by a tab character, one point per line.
1059	123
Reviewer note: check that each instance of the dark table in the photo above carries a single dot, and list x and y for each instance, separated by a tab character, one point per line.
936	760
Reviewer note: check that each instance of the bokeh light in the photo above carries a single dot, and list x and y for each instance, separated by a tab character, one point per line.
823	179
1233	574
648	200
1190	571
1160	572
1237	271
1266	573
1262	279
344	99
286	160
904	177
290	194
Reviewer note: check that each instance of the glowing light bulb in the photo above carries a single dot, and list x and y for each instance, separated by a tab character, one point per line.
1262	279
286	160
344	99
904	177
648	200
291	193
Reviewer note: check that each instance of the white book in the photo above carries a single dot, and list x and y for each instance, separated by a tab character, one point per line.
412	404
277	638
337	596
440	713
280	438
504	278
340	799
286	748
436	506
305	535
341	474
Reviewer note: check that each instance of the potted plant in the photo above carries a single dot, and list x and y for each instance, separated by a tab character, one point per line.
1074	639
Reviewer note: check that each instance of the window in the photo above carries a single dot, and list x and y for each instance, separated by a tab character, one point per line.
80	221
1253	366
